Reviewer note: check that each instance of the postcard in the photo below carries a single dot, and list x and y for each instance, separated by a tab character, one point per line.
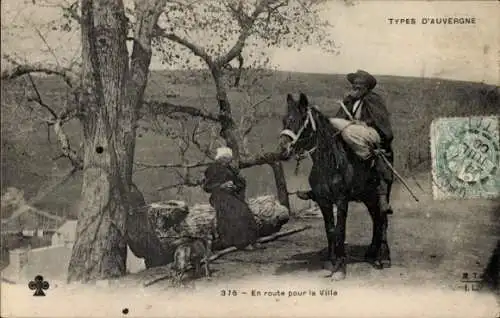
250	158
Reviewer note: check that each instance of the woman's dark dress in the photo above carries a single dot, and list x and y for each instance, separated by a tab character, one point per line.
236	225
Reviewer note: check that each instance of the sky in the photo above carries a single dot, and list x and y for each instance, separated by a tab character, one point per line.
368	41
365	38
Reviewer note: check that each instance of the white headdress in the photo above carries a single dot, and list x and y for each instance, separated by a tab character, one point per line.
224	152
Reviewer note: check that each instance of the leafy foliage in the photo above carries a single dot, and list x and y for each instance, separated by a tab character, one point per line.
216	26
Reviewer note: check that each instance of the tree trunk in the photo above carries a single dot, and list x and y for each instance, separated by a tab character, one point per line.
239	72
228	131
100	248
141	236
280	180
112	211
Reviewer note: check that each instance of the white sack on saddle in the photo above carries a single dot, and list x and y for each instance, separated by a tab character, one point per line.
361	138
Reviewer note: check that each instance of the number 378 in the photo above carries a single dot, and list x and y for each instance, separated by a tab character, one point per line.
228	292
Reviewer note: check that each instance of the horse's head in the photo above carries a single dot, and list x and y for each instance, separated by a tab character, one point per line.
299	127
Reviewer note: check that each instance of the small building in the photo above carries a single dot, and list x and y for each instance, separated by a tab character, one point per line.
65	234
30	220
51	261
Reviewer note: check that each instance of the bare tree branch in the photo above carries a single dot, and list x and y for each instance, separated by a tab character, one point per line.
69	153
252	119
246	24
57	122
262	159
72	11
169	166
38	98
196	49
23	69
204	150
51	50
266	158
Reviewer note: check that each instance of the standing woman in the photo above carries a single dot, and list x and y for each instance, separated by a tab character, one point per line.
236	225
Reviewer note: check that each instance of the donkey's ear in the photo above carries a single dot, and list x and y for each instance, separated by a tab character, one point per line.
303	101
289	99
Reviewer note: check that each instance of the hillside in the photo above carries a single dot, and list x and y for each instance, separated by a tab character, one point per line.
27	153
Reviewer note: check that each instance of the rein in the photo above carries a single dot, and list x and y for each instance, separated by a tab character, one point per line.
296	136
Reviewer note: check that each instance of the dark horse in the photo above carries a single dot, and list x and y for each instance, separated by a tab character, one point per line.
338	176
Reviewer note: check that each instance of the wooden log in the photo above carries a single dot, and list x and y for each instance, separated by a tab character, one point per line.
173	220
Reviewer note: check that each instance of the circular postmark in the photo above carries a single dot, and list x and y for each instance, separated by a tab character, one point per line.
468	157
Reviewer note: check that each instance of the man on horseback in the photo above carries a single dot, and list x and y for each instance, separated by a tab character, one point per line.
368	108
366	128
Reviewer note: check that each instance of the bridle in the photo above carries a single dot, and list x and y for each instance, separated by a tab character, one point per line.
296	136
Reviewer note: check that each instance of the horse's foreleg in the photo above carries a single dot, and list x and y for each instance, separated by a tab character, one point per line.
327	211
339	259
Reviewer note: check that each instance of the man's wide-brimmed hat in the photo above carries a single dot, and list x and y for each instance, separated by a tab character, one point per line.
364	77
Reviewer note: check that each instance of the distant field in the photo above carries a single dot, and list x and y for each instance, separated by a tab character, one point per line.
27	154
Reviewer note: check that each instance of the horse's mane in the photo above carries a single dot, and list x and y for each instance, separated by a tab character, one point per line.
330	138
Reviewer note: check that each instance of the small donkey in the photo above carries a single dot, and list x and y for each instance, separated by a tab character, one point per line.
190	254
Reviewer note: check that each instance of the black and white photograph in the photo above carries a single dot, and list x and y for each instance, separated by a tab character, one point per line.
250	158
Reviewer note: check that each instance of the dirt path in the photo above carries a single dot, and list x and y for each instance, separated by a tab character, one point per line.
432	243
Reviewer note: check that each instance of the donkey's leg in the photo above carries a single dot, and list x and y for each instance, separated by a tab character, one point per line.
327	211
339	259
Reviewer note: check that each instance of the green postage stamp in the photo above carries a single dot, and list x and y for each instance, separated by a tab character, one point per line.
465	157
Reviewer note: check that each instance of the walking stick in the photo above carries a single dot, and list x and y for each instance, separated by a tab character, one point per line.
379	153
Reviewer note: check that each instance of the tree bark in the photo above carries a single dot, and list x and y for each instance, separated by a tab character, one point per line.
228	131
237	77
100	248
280	180
140	234
112	210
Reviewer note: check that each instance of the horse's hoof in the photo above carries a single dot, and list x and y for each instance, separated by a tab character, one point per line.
386	263
338	275
377	264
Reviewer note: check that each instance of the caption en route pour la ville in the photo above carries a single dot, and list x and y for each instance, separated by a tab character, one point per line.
280	292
